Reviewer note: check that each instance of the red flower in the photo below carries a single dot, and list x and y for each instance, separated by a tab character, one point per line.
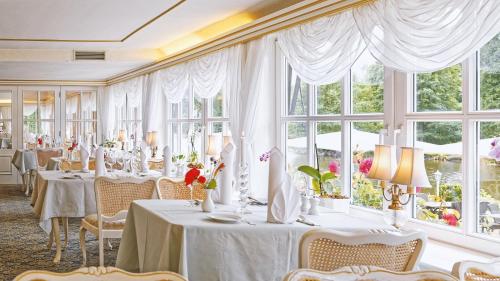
40	141
202	179
365	165
450	219
191	176
333	167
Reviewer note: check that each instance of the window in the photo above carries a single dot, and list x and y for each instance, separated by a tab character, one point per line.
129	118
192	120
81	116
38	117
328	117
5	120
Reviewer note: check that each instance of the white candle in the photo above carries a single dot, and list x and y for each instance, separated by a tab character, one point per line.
242	148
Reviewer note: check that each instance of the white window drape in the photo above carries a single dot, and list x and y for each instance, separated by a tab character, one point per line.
425	36
151	110
407	35
174	82
208	73
107	112
322	51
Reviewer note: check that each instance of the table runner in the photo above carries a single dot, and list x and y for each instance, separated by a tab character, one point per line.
168	235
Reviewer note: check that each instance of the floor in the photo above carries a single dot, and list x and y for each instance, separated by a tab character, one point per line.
23	244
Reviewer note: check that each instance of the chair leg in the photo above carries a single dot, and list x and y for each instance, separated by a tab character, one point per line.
28	184
55	227
65	226
101	251
82	245
51	239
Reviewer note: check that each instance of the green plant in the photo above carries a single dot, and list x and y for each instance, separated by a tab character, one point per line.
364	193
319	179
450	192
177	158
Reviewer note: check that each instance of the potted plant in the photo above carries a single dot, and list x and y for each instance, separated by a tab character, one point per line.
323	185
177	160
194	176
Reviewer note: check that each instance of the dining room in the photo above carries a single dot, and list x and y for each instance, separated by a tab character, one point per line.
259	140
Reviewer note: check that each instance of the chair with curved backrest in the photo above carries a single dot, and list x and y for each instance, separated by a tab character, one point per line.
327	250
66	165
177	190
98	274
477	271
113	198
43	156
371	273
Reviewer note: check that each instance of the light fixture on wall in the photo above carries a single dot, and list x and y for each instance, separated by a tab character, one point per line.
121	138
410	172
151	140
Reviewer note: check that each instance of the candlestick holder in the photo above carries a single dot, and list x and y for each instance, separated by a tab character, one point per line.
243	188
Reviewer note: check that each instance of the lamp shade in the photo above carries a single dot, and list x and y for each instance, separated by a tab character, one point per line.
384	162
411	170
151	138
227	140
121	135
213	147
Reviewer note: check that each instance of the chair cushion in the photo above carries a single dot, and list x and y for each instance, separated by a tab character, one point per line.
92	219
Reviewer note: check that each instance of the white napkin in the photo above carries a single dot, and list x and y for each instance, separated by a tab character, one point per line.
167	161
283	198
224	192
144	158
84	157
100	166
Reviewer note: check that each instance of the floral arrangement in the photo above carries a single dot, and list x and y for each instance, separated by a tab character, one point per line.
74	145
495	149
40	140
194	175
364	192
177	158
320	180
265	156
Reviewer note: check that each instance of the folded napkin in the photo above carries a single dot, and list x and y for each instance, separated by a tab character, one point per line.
84	157
283	198
100	166
144	157
167	161
224	192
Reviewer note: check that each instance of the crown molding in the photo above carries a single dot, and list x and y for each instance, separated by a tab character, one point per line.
52	83
130	34
296	14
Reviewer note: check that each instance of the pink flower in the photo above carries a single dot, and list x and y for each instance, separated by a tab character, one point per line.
450	219
334	167
365	165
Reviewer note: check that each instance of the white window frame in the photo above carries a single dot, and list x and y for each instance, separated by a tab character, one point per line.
80	121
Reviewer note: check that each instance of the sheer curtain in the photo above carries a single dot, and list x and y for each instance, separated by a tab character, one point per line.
425	36
208	73
174	82
322	51
107	112
151	102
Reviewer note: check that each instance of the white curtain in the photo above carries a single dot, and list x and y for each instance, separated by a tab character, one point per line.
72	106
107	112
133	88
322	51
151	102
208	73
255	76
29	109
426	35
174	82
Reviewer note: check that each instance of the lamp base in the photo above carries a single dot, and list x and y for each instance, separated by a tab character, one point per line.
396	218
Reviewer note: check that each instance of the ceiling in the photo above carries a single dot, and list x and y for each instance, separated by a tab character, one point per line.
37	38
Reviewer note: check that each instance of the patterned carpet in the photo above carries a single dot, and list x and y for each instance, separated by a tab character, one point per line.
23	244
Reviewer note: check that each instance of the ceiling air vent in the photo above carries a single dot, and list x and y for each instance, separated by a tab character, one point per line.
90	55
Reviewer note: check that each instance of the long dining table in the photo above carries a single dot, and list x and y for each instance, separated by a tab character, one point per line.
61	195
170	235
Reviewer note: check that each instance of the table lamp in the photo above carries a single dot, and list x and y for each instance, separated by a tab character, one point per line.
213	147
227	140
152	142
121	138
410	172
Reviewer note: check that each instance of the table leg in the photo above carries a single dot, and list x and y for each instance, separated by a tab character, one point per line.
51	239
65	226
28	185
57	237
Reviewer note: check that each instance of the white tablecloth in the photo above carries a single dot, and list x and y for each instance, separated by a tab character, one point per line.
168	235
24	160
54	196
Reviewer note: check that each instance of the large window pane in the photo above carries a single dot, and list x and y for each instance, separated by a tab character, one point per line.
442	145
440	90
328	99
367	76
490	75
197	107
329	143
296	145
217	105
488	148
72	105
89	106
47	105
297	94
364	137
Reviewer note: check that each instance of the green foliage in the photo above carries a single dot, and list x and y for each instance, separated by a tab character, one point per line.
329	99
451	192
212	184
365	193
310	171
319	180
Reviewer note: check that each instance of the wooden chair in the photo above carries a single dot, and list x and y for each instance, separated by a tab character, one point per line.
75	165
477	271
43	156
113	198
177	190
98	273
328	250
367	273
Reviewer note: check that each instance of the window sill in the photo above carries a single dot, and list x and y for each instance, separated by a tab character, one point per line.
458	245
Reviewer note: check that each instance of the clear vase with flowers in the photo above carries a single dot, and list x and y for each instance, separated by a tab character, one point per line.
194	176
